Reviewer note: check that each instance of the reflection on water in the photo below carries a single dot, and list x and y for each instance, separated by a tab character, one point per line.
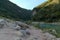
49	25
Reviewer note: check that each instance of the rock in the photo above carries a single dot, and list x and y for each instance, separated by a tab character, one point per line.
2	23
22	24
57	38
17	28
25	33
9	34
49	36
21	31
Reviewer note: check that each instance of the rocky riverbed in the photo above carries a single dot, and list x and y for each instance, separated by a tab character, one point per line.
12	31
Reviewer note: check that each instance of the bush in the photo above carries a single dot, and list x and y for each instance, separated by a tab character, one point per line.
37	25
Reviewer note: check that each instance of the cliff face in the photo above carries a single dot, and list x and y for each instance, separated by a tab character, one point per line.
48	11
12	11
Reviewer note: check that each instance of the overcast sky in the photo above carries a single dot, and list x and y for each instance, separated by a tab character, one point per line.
28	4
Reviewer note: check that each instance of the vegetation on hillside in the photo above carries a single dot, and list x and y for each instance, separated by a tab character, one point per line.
12	11
47	13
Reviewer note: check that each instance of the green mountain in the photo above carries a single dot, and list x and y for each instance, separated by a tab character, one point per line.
49	11
12	11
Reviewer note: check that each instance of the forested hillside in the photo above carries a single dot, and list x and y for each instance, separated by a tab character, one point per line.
12	11
49	11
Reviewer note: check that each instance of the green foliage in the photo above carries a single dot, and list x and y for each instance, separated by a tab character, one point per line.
12	11
47	13
37	25
28	22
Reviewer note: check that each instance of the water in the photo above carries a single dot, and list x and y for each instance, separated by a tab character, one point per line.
46	25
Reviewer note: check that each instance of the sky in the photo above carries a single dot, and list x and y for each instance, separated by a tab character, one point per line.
28	4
